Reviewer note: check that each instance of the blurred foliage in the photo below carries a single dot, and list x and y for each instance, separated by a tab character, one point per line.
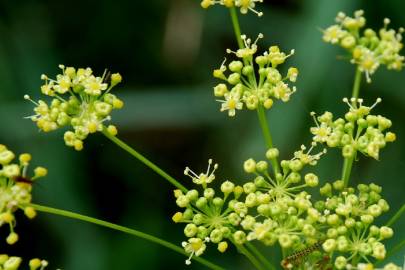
166	50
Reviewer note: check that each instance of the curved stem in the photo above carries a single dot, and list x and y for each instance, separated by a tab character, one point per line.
348	162
267	135
260	256
396	216
123	229
249	256
144	160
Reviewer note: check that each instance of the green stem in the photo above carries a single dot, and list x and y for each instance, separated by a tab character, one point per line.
260	256
356	86
347	168
144	160
396	216
267	136
236	27
123	229
250	257
348	162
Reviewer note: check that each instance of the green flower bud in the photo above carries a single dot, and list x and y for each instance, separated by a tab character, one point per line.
234	78
249	166
386	232
249	187
201	202
216	236
192	195
190	230
285	240
340	262
311	180
198	219
209	193
227	187
272	153
329	245
236	66
239	237
261	166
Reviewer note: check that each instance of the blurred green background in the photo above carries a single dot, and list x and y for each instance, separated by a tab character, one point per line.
166	51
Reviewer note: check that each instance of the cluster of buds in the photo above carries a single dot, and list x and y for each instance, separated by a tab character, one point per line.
349	215
80	100
254	85
243	5
15	189
210	217
14	263
280	211
368	49
358	131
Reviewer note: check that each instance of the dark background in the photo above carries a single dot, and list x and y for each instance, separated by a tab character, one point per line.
166	51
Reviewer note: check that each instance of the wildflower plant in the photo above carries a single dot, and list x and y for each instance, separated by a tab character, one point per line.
277	204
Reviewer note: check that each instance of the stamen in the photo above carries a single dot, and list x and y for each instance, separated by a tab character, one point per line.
313	114
346	100
378	100
27	97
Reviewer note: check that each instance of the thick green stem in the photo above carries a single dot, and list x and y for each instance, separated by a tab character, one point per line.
347	168
144	160
348	162
260	256
396	216
236	27
267	135
250	257
123	229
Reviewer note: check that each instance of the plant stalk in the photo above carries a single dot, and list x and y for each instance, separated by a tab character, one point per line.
123	229
348	162
144	160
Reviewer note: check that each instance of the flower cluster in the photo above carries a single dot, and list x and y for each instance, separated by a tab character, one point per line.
210	217
357	131
15	189
350	214
80	100
279	211
14	263
268	209
368	49
243	5
243	87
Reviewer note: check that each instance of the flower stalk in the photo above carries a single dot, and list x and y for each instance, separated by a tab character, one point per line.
143	159
139	234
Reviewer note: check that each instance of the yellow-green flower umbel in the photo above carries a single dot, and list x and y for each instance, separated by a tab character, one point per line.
254	80
80	100
369	49
359	130
15	189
